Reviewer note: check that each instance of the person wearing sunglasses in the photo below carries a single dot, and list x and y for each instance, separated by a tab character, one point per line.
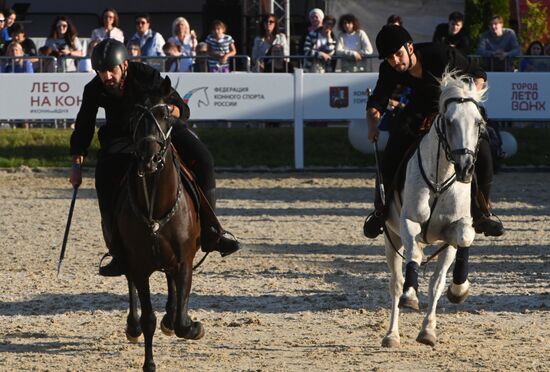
271	42
151	42
64	43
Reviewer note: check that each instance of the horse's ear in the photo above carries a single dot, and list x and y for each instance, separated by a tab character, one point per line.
165	87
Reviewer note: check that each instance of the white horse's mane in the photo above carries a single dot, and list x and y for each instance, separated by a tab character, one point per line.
455	85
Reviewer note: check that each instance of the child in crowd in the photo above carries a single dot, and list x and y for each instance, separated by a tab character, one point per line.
220	48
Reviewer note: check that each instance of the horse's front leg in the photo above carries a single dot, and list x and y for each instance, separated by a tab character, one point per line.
148	321
410	231
133	329
167	323
393	250
427	334
462	236
185	327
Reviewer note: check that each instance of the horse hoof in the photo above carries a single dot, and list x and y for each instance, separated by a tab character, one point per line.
149	367
165	329
426	338
409	303
197	331
133	338
391	342
457	299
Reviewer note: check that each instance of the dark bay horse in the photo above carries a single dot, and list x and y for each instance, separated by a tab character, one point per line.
157	225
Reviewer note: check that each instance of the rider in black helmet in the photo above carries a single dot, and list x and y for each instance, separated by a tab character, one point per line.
115	88
419	66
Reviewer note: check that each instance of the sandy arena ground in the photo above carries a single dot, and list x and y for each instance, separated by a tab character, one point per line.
307	291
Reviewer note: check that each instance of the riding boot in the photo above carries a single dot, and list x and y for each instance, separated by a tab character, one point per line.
374	222
212	238
484	220
117	266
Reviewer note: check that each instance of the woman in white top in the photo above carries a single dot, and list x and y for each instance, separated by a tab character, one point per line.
353	45
270	43
186	39
63	43
110	28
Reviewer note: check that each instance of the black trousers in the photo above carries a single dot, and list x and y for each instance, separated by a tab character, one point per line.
403	132
111	168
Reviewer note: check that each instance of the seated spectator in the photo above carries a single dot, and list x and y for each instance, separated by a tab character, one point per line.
150	41
174	64
534	64
547	49
45	64
353	45
19	35
17	65
201	62
134	51
64	43
186	40
498	45
221	47
319	47
394	19
85	64
453	33
271	42
109	29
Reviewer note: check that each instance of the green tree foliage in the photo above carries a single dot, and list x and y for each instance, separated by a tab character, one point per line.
479	12
533	23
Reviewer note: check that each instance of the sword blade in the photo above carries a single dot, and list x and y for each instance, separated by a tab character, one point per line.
67	229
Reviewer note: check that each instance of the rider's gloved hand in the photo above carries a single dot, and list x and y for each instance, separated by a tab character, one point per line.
76	171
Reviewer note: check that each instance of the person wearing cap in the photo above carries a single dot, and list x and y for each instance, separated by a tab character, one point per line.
116	86
419	66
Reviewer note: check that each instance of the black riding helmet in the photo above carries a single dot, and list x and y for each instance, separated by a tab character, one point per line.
390	39
108	54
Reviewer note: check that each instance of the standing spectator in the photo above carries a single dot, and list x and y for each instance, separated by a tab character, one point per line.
150	41
9	17
3	43
498	45
64	42
110	29
316	17
186	40
353	44
16	64
220	47
319	47
394	19
271	42
18	34
453	33
534	64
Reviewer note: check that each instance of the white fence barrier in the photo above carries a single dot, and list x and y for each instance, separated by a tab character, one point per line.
257	96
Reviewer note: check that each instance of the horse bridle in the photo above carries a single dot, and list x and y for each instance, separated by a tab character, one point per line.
164	141
442	132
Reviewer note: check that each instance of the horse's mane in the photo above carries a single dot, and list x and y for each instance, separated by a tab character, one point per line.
453	84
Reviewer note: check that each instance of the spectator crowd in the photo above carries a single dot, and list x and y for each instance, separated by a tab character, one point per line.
328	45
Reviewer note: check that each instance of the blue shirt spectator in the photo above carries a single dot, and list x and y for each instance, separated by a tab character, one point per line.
151	42
16	64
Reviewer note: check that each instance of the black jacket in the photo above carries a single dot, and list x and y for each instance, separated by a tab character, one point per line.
425	91
460	40
139	80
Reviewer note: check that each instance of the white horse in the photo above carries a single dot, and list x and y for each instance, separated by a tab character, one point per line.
434	206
